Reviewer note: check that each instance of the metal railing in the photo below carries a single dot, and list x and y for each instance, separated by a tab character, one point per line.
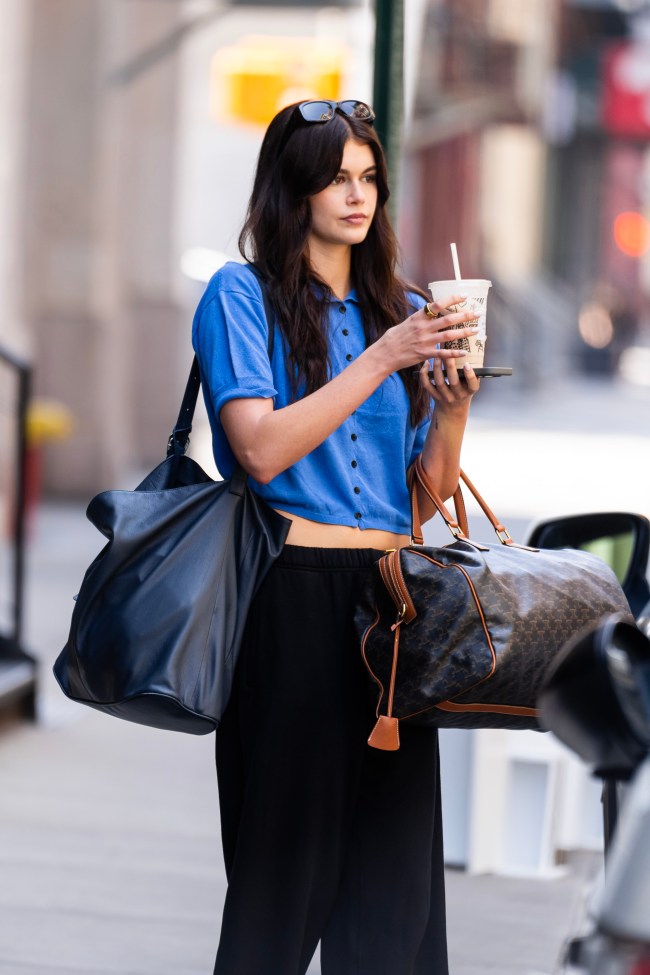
17	667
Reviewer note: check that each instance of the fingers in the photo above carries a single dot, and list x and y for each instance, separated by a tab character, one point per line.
446	354
456	319
438	375
451	383
445	307
450	330
471	379
441	317
451	377
420	336
454	334
455	324
451	368
424	369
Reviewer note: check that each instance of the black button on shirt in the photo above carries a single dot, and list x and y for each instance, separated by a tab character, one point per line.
354	463
349	357
353	436
346	331
357	490
357	514
342	309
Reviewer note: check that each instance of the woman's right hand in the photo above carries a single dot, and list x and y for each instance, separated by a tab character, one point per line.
418	337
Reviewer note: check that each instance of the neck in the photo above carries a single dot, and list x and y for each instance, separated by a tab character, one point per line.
332	264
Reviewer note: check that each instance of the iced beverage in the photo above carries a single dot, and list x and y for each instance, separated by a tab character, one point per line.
476	291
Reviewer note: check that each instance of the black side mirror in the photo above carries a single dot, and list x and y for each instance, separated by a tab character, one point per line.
621	539
596	697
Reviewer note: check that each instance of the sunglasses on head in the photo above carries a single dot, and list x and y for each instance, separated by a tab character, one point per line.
323	110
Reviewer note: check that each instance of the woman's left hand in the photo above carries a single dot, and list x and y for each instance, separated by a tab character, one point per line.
450	391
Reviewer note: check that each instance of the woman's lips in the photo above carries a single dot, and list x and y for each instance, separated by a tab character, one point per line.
355	218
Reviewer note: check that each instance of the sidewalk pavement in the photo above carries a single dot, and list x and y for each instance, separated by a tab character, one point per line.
109	832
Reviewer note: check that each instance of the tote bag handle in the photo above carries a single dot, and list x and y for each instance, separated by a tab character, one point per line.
459	526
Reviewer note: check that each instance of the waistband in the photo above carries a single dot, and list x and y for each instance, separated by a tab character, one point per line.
302	557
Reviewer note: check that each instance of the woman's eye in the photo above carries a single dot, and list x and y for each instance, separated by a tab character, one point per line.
371	178
337	180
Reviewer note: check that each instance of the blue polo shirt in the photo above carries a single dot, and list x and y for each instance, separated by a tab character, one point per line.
357	476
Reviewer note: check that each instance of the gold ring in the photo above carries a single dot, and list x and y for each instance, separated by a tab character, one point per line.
429	313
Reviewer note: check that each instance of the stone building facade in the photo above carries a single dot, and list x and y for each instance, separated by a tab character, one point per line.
86	206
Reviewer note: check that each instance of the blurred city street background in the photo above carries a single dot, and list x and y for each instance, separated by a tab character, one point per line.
129	129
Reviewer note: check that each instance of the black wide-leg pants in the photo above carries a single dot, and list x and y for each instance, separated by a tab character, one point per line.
325	839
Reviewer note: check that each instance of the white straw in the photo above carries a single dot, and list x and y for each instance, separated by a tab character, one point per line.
454	257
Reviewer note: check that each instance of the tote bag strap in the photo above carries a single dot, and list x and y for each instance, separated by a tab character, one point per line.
180	435
458	526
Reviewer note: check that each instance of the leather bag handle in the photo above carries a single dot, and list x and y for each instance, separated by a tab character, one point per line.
180	435
459	526
499	528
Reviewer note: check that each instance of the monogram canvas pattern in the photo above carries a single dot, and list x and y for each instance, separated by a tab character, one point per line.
488	624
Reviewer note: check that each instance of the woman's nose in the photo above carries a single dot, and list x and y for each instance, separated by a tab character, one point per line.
356	191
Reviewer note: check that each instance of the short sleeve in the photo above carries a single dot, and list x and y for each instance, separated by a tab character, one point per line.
230	338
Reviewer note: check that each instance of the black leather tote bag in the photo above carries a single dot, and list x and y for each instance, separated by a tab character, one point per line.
461	636
158	621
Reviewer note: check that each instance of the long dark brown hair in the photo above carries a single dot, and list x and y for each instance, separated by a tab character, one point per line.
293	165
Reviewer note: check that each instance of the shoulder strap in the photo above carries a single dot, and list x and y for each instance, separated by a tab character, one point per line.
180	435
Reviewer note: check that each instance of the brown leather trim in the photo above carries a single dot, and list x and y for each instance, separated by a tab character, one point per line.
487	511
398	577
385	734
393	582
489	709
398	593
425	482
510	542
482	708
364	639
461	511
384	571
416	522
417	473
393	670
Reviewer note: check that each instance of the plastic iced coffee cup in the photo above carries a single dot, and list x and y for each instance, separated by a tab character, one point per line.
476	291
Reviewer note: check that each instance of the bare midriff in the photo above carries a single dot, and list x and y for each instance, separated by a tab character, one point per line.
315	534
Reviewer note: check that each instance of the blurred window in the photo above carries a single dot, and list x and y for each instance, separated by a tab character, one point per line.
615	550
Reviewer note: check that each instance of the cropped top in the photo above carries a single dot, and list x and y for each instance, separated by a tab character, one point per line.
357	476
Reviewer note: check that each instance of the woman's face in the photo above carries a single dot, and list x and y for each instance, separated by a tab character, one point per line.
343	211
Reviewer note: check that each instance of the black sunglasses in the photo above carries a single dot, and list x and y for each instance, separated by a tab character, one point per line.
323	110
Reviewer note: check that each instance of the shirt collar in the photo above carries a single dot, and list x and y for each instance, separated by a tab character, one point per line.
351	296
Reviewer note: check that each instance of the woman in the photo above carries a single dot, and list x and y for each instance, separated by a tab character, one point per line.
324	838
